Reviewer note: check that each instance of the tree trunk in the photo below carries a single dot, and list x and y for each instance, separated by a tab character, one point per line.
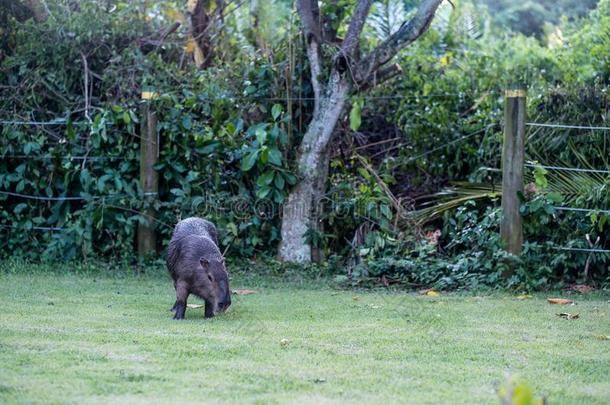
299	211
201	32
319	194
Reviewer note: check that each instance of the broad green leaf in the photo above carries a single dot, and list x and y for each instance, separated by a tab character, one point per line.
264	155
276	110
19	207
263	192
232	228
290	179
275	156
248	161
261	136
555	197
265	179
427	89
278	197
85	177
29	147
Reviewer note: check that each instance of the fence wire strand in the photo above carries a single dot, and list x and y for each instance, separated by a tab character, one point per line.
539	124
569	169
64	198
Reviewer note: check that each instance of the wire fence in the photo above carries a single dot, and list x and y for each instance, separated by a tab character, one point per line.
602	172
64	121
587	211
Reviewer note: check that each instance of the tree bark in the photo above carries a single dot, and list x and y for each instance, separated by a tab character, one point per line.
319	198
201	32
299	211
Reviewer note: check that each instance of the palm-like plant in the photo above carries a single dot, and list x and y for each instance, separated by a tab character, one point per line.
386	17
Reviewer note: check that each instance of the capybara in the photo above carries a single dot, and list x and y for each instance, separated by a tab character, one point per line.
197	267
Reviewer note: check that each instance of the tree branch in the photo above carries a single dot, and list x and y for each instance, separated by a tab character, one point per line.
310	15
380	76
402	38
150	44
350	42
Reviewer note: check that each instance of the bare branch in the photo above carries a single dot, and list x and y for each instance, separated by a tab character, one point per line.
315	66
380	76
86	85
168	31
406	35
355	28
152	42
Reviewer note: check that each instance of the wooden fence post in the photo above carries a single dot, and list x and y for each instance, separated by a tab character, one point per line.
149	179
513	151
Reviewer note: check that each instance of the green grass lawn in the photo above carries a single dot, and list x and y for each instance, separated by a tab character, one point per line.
103	339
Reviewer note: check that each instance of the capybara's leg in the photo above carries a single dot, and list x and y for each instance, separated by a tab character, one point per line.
182	294
209	310
175	303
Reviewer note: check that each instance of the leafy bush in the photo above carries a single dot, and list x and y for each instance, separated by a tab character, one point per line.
227	134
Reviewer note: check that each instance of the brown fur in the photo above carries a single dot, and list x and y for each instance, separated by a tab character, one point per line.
197	267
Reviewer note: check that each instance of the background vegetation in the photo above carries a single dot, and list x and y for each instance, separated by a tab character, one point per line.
410	158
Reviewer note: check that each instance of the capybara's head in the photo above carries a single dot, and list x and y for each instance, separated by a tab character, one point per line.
216	290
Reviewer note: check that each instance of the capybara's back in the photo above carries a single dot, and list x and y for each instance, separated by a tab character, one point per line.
196	226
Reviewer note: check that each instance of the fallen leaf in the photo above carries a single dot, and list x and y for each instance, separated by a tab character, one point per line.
566	315
284	342
559	301
195	306
243	292
524	297
430	292
355	298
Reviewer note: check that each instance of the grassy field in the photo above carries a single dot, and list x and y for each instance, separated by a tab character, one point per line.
111	339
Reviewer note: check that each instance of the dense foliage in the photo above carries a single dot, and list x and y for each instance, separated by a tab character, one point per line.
70	109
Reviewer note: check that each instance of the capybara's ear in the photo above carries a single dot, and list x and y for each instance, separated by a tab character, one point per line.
205	263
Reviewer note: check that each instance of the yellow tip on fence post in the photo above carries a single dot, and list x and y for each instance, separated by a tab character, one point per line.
149	95
513	152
